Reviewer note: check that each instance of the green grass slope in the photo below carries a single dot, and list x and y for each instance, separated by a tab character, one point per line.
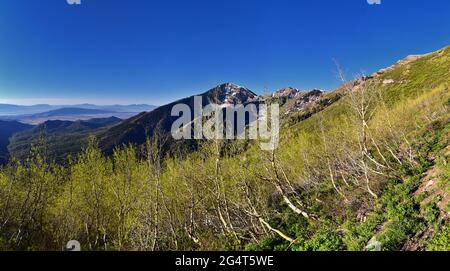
409	114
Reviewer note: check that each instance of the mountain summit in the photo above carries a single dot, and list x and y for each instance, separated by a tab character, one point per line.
288	92
230	93
137	129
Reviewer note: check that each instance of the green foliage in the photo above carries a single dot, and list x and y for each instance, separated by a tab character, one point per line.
323	240
356	234
430	211
268	244
441	241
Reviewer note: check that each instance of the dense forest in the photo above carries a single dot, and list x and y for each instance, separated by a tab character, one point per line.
370	168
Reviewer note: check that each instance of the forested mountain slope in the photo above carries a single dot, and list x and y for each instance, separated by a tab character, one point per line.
7	129
62	137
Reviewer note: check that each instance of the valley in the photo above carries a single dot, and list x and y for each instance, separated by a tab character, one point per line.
74	122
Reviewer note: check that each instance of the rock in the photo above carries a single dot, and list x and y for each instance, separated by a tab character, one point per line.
308	98
388	81
373	245
230	93
288	92
73	245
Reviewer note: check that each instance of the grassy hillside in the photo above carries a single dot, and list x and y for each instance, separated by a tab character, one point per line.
407	134
366	167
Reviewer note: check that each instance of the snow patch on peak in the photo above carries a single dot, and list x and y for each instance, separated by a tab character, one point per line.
288	92
230	93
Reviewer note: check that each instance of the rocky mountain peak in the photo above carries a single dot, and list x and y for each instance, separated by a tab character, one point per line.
288	92
307	98
230	93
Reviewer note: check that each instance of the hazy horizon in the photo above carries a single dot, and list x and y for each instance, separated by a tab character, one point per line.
156	52
64	102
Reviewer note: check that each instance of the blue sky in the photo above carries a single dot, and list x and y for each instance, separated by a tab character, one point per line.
154	51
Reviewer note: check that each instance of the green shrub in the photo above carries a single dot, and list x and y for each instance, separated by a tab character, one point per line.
430	211
402	213
441	241
321	241
356	235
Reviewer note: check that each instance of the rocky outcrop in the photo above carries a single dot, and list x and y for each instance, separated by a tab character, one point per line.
288	92
230	93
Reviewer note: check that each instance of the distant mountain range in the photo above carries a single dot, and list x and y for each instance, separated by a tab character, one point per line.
70	113
136	129
67	129
14	110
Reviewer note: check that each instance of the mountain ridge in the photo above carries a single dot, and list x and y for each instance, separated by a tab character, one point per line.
7	129
63	137
14	109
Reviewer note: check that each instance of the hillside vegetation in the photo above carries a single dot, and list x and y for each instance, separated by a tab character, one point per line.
366	168
62	138
7	129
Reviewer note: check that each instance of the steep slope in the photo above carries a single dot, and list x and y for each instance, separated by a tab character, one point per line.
406	129
8	129
230	93
137	129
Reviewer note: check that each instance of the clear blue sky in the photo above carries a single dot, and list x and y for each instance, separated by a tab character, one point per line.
154	51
